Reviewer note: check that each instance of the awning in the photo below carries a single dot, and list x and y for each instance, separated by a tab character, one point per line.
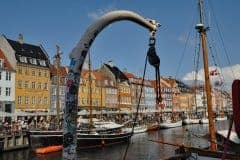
6	114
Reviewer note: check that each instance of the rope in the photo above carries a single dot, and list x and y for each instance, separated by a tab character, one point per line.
139	100
221	77
221	38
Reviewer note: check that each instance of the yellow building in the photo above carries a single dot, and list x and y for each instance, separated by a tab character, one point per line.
32	79
96	92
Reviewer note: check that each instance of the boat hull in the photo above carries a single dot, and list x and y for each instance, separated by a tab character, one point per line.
221	118
137	129
204	121
84	141
167	125
233	141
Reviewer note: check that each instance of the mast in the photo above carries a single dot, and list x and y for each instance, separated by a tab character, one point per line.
57	63
90	92
202	31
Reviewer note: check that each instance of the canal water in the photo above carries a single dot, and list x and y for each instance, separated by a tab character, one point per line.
140	147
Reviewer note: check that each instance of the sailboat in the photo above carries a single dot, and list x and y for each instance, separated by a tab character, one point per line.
172	122
97	134
191	117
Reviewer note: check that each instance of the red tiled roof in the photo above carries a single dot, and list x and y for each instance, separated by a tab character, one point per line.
62	70
129	75
6	64
96	73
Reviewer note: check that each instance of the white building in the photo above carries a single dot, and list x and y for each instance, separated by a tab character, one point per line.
7	84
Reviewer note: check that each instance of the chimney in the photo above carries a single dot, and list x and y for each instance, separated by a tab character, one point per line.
20	38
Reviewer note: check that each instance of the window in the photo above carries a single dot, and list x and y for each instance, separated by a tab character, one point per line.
39	100
0	75
19	99
33	72
46	74
45	101
8	91
26	84
33	85
39	86
106	82
19	84
33	100
42	62
23	59
39	73
20	70
46	86
62	91
27	100
26	71
1	63
8	76
33	60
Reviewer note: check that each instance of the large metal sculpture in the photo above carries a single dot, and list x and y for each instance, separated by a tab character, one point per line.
77	57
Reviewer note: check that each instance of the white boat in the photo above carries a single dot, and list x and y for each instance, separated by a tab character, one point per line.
221	118
170	124
137	129
204	121
191	121
187	121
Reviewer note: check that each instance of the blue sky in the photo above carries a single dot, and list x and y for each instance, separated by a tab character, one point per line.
62	23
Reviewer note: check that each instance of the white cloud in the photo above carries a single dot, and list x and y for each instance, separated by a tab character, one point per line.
226	75
98	13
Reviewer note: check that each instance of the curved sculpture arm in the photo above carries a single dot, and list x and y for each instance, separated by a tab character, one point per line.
80	51
78	56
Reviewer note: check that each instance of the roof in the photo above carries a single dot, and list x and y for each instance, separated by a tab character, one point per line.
117	73
129	75
29	51
62	70
6	63
99	75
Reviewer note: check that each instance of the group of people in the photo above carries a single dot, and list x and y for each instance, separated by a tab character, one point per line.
13	127
17	127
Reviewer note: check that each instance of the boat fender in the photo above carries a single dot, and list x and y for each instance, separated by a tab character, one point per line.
236	105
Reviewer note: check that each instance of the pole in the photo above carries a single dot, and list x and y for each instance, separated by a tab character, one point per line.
58	61
202	32
90	92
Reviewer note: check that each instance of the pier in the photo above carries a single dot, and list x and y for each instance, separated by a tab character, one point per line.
13	142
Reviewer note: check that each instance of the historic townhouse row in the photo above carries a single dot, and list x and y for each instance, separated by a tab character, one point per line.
28	82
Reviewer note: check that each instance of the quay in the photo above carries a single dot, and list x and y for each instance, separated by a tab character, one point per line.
13	142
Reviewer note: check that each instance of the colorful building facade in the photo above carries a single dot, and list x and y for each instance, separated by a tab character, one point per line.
32	81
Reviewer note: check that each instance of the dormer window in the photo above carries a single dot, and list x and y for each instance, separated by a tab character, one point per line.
1	63
42	62
106	82
33	61
23	59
